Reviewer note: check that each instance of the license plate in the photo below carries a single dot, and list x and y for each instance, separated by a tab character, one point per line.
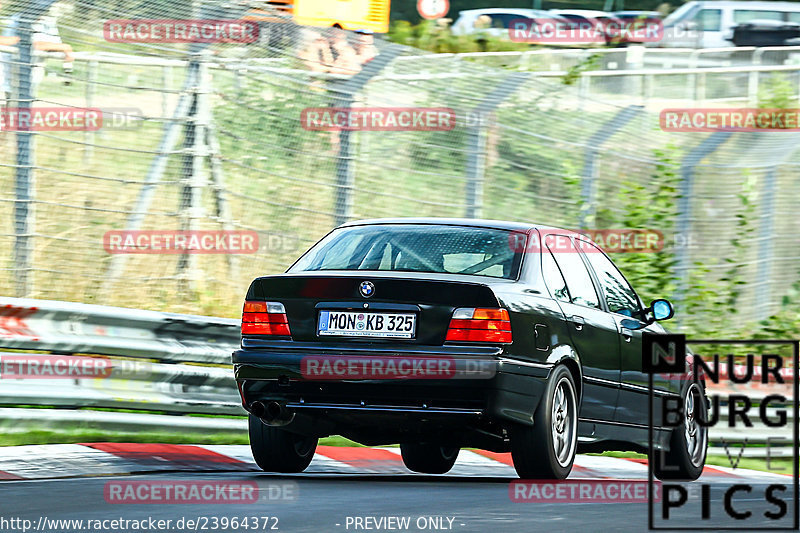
367	324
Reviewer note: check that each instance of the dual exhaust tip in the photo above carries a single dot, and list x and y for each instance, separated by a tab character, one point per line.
272	413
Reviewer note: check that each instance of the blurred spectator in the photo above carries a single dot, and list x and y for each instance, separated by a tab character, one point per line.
4	62
484	22
365	47
316	53
344	56
45	39
334	54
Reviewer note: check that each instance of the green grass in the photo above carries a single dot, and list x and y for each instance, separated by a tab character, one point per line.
776	466
88	435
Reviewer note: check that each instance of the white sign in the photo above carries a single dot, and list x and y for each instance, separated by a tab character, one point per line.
433	9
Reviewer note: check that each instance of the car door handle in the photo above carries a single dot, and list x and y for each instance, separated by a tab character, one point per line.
578	321
627	334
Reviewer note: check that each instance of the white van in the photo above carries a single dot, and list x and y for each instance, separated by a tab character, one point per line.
710	24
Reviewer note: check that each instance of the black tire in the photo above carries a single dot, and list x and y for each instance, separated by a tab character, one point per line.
429	458
688	443
278	450
533	448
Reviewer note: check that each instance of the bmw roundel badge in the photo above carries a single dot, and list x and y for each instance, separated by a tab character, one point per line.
367	289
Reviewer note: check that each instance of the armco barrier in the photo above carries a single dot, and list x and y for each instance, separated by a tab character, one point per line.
167	366
160	362
67	327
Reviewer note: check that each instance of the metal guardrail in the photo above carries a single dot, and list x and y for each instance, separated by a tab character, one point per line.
169	367
162	362
652	77
67	327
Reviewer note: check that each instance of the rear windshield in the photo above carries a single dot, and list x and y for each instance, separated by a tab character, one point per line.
415	248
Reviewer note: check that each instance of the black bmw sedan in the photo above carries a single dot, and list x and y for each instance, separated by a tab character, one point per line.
440	334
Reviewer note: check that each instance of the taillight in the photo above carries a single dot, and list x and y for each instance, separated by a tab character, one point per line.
480	324
265	318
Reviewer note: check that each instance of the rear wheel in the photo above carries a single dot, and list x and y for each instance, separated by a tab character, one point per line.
277	450
429	458
547	450
688	442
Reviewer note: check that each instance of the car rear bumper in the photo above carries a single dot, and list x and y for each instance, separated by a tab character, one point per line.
505	390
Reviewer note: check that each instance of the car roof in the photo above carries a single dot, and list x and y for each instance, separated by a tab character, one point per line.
749	4
500	10
475	222
581	12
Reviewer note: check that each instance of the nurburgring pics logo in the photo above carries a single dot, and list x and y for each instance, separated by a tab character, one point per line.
378	118
180	242
325	367
732	119
180	31
715	396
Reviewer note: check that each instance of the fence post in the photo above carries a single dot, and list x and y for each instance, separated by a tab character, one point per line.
476	141
583	90
593	144
342	96
752	88
764	273
24	221
166	83
691	85
169	138
683	225
193	179
91	86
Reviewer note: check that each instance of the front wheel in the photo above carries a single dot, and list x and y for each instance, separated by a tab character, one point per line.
278	450
688	442
547	450
429	458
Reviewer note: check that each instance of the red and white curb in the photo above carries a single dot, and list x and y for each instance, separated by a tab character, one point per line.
101	459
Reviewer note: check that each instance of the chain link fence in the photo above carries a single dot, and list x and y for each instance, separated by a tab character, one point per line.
209	137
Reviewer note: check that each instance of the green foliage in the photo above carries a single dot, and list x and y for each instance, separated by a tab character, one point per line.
733	277
430	36
575	72
776	92
708	302
651	205
784	323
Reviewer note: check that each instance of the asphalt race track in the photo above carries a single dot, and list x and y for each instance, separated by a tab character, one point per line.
325	501
345	492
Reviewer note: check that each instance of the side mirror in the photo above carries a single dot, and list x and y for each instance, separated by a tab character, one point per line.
661	309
